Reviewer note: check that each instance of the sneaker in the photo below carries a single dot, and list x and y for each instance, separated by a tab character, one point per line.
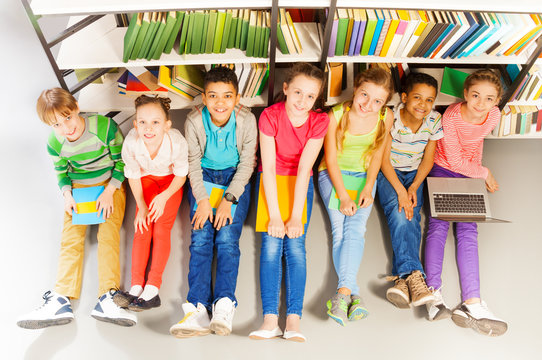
337	308
398	294
139	304
194	323
419	292
106	310
223	311
437	310
56	310
123	298
357	310
480	318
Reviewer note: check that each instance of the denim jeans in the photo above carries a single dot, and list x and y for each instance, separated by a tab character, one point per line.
466	252
293	251
226	243
405	235
348	234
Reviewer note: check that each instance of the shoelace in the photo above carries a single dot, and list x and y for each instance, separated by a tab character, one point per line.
416	283
47	297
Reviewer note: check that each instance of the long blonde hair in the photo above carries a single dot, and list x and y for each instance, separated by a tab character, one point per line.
378	77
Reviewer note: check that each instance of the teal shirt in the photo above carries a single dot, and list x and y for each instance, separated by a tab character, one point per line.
221	148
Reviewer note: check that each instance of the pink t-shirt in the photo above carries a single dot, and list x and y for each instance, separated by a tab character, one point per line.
289	140
460	150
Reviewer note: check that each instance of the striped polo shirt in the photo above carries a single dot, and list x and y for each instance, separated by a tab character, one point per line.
93	158
407	148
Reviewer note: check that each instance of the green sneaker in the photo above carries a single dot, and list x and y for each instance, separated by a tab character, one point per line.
357	309
337	308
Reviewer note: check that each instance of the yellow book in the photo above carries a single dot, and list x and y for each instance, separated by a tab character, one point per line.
349	31
291	26
391	32
523	40
164	80
419	30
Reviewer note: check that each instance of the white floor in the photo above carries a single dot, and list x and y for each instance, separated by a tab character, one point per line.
31	213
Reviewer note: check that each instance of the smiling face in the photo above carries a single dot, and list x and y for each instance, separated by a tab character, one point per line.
151	123
480	97
70	126
369	98
301	94
220	99
419	101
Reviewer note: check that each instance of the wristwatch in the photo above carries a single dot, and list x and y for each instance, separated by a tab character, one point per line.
229	197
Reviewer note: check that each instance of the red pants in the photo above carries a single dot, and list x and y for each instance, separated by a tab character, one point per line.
159	233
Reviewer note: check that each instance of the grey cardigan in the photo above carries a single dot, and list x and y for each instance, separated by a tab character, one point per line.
246	134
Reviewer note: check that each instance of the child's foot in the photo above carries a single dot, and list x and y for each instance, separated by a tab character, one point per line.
480	318
106	310
123	298
398	294
437	310
194	323
357	309
337	308
223	311
56	310
292	331
140	304
419	293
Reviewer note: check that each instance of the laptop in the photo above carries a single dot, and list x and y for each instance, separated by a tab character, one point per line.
459	199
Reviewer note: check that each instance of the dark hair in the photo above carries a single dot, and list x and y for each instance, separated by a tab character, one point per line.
163	102
308	70
220	74
419	78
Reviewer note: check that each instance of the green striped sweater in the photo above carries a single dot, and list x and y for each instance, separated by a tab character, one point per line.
91	159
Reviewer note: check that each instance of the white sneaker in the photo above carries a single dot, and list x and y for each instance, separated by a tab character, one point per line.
437	309
194	323
106	310
480	318
56	310
223	311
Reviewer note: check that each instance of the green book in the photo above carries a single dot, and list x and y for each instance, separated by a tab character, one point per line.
226	34
188	46
267	33
281	41
149	37
219	31
238	30
452	82
174	32
197	31
156	40
244	29
211	32
258	36
342	29
233	29
184	32
369	31
171	19
264	81
131	36
145	23
204	34
251	34
354	186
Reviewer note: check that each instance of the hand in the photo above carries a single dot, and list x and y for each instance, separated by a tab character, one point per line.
141	220
348	206
203	212
294	228
276	228
491	183
365	198
405	203
412	195
156	208
104	204
223	214
69	202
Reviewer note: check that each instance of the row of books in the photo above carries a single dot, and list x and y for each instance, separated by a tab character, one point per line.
519	120
530	88
431	34
287	38
252	78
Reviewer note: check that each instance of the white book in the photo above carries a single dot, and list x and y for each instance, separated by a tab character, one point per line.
504	28
485	21
517	32
398	37
243	78
412	25
465	26
417	32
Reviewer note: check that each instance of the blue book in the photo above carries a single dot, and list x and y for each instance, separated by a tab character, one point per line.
354	38
482	27
216	193
378	29
492	28
473	25
442	36
87	213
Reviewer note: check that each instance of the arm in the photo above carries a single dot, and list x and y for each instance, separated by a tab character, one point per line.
268	153
294	227
348	206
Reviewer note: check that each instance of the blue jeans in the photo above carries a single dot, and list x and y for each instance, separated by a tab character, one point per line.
226	242
293	250
405	235
348	234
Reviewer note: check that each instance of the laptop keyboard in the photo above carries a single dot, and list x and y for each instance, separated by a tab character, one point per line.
459	203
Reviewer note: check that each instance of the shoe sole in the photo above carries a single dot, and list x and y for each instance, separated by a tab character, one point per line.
188	333
220	329
483	326
338	319
425	300
139	308
256	337
295	338
358	314
397	300
120	322
40	324
441	315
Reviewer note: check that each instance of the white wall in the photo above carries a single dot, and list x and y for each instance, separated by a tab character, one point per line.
31	218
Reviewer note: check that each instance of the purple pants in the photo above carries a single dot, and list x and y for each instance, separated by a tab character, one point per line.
467	249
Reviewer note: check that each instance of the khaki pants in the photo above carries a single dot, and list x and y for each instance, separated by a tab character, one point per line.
72	248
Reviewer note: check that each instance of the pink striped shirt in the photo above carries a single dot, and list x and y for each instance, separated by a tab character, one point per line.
460	150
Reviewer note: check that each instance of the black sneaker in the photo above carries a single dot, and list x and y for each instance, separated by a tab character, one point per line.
122	298
140	304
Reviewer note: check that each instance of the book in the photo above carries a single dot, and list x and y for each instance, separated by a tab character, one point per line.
403	19
130	36
349	31
472	25
378	29
216	193
197	32
244	29
390	36
452	82
416	34
490	29
145	23
257	35
414	21
184	32
233	29
86	205
164	80
482	26
281	40
431	22
174	32
203	44
239	27
384	31
447	28
457	26
266	34
293	33
335	79
354	185
333	38
226	33
213	15
155	41
219	31
251	35
286	32
188	78
362	16
170	20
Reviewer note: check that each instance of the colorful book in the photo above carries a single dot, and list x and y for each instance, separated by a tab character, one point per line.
472	27
431	22
164	80
226	32
131	36
333	38
384	31
349	31
453	18
354	186
392	30
403	19
490	29
378	29
409	31
452	82
86	205
219	31
447	27
216	193
362	15
293	33
422	24
482	26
